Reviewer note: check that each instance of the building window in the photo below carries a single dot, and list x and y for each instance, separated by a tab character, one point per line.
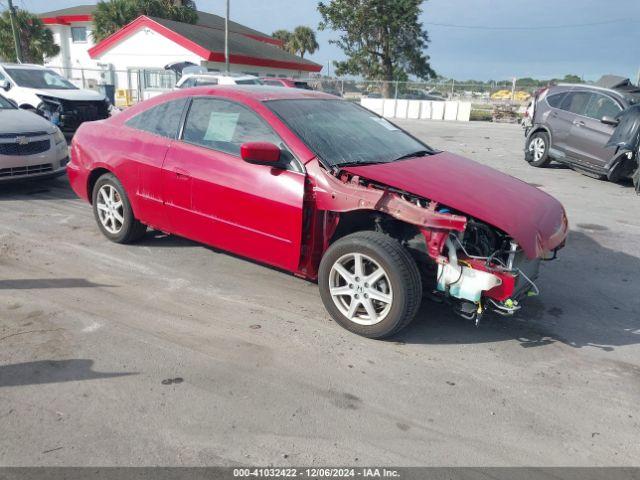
79	34
159	79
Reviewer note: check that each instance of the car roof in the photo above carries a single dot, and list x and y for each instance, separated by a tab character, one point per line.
242	93
261	93
583	86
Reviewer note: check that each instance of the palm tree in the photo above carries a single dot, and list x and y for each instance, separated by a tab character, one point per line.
36	40
303	40
284	36
111	15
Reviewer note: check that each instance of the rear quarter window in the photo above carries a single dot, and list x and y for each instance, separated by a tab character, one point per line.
163	119
555	99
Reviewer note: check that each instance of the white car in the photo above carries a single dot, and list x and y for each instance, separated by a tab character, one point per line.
189	80
40	89
30	146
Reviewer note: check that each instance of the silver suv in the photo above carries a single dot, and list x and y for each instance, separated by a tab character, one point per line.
572	124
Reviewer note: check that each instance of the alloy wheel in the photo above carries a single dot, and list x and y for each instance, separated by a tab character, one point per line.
360	288
537	146
110	209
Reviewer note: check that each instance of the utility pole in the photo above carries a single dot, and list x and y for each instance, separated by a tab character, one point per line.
226	39
15	31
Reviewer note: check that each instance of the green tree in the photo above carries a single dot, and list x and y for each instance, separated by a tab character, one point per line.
35	39
570	78
382	39
303	40
111	15
284	36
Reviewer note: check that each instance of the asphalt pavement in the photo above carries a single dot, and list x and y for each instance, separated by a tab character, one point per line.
167	352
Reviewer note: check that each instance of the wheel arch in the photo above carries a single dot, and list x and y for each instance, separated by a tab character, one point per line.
93	177
540	128
372	220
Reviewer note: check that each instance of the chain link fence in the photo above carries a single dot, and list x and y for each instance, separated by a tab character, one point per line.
489	101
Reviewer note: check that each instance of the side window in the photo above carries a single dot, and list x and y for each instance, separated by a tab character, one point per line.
163	119
273	83
555	100
576	102
224	126
188	83
601	106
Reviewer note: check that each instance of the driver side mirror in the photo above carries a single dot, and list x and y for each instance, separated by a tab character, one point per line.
262	153
5	85
607	120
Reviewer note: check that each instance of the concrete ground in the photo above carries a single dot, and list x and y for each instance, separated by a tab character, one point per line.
171	353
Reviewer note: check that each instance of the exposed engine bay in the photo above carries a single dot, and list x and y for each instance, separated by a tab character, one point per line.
465	262
479	268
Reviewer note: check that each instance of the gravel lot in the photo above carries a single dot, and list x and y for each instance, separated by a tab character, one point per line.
171	353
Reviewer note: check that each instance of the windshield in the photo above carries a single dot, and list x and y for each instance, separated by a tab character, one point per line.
6	104
343	133
36	78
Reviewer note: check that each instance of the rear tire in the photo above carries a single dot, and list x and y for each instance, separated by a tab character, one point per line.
538	150
379	275
113	212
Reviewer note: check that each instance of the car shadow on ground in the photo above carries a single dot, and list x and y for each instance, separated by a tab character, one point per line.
579	306
52	371
49	189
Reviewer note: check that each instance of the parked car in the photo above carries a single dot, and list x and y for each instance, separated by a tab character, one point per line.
322	188
286	82
189	80
572	124
30	146
40	89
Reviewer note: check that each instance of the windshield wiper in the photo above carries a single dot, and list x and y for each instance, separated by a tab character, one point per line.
417	153
363	162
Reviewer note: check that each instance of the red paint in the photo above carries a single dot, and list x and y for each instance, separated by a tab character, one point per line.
285	82
66	19
535	219
501	292
260	38
146	22
284	218
260	152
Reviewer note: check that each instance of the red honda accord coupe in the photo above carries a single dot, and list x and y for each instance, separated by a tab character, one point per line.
325	189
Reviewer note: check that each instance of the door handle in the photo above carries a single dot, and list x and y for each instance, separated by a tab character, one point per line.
181	174
578	123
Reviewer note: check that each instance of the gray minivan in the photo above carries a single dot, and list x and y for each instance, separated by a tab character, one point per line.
572	124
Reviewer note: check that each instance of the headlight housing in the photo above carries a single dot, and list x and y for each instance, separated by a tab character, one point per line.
58	137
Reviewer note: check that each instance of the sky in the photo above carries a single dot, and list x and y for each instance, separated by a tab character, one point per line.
501	39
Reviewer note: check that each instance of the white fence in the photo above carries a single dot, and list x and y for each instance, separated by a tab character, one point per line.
453	110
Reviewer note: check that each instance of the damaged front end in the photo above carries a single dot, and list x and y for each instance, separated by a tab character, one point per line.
485	269
626	141
464	261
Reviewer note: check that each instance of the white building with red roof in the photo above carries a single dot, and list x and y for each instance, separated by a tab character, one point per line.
150	43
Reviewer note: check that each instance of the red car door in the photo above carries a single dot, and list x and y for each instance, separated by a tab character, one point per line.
144	150
215	197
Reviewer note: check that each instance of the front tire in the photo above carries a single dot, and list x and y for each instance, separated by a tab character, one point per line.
370	284
113	212
538	150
